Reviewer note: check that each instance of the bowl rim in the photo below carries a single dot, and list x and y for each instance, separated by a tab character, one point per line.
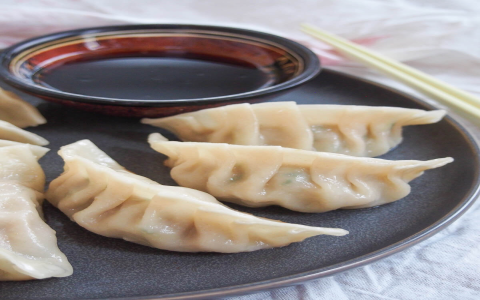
312	66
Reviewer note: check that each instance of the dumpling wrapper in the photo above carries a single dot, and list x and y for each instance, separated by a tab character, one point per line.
101	196
299	180
13	133
37	151
18	112
28	246
19	164
345	129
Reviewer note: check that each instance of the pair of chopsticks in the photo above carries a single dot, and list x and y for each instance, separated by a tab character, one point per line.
420	81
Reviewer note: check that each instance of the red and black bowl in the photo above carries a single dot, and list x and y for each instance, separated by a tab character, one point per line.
157	70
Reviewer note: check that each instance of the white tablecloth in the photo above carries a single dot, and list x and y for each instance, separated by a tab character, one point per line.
440	37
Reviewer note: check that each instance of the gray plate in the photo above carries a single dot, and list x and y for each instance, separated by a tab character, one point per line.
112	268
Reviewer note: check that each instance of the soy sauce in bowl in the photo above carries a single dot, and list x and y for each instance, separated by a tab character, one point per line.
157	70
154	78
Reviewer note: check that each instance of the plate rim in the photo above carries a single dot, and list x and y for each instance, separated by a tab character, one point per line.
249	288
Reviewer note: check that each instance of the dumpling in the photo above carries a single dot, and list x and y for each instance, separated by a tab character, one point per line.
345	129
28	246
13	133
101	196
18	164
299	180
18	112
37	151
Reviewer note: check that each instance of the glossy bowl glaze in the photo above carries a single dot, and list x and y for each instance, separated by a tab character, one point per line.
156	70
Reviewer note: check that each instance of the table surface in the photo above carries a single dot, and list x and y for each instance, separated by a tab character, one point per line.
439	37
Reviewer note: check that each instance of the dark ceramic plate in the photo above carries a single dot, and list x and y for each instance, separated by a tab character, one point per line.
111	268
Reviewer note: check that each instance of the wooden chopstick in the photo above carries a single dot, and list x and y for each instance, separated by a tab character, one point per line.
414	78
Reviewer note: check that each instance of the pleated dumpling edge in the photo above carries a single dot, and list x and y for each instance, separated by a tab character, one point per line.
108	200
299	180
365	131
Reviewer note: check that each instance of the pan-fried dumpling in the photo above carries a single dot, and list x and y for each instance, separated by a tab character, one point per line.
18	112
346	129
13	133
28	246
299	180
101	196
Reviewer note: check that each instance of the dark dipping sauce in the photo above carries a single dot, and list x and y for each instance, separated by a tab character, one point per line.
154	78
